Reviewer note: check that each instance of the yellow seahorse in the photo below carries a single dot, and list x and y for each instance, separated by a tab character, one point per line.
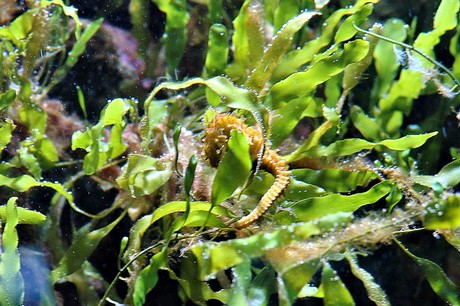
215	146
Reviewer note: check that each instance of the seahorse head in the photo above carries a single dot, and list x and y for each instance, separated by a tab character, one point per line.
218	134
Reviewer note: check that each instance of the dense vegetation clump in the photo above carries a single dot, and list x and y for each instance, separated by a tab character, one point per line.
283	152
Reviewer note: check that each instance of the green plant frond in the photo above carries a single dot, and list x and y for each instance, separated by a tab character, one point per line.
11	279
436	277
334	123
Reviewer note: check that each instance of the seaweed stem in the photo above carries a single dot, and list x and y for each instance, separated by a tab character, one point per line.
412	48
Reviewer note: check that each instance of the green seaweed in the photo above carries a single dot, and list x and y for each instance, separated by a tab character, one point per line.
337	95
11	279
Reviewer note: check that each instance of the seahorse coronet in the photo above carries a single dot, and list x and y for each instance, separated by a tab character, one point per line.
215	146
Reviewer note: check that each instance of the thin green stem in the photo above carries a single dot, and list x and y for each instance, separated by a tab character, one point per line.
112	284
67	185
409	231
412	48
68	163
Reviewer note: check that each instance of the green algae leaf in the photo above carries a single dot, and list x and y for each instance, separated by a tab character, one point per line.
155	115
176	134
394	197
311	291
97	150
25	182
7	98
311	142
445	19
446	16
97	155
443	213
436	277
255	29
148	277
242	277
143	175
259	184
453	238
354	145
196	217
454	51
139	16
175	34
262	287
312	208
240	43
284	11
447	177
292	280
148	181
93	140
286	118
25	216
248	291
82	247
278	46
6	131
403	91
181	206
199	219
142	225
234	168
11	280
346	30
46	153
354	72
18	30
333	89
374	291
114	111
229	94
69	11
296	58
33	116
391	121
217	55
366	125
29	161
189	176
21	183
77	50
298	190
325	223
36	153
335	292
407	142
116	144
386	62
334	180
301	84
196	290
239	98
213	257
216	11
